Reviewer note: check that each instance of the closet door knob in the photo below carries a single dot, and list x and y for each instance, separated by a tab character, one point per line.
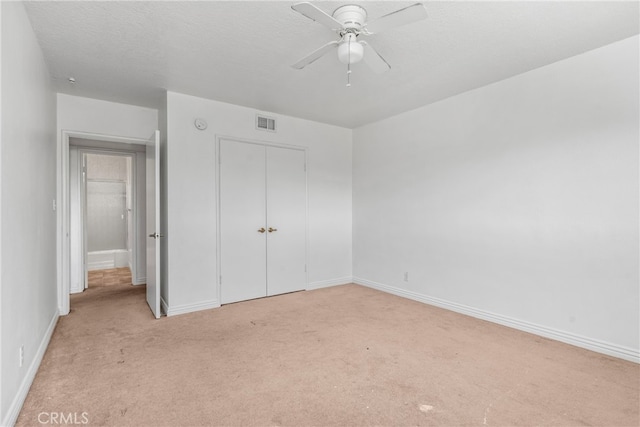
261	230
271	230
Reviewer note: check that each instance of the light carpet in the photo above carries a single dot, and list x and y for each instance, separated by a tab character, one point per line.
341	356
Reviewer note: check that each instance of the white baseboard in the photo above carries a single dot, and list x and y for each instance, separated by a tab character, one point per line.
140	281
189	308
102	260
101	265
14	410
331	282
164	307
603	347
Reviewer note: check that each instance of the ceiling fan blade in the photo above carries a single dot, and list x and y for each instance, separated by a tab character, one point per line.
373	59
395	19
315	14
315	55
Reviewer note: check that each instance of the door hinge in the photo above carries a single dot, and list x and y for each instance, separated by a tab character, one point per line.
305	268
221	280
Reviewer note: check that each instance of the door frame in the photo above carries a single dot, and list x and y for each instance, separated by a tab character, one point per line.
220	138
63	212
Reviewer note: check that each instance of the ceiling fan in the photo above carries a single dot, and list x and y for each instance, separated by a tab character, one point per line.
350	22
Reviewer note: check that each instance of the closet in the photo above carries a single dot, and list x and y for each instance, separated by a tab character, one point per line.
262	220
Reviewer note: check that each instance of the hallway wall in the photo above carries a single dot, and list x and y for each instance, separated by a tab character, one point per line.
29	308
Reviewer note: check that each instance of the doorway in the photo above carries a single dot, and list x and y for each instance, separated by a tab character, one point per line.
107	214
107	217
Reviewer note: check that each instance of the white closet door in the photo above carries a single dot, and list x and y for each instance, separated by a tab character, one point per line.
286	216
242	214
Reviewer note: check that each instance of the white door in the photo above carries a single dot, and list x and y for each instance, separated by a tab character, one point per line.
153	223
262	220
286	220
242	221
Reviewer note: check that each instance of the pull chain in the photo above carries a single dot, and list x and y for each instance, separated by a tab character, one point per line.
349	66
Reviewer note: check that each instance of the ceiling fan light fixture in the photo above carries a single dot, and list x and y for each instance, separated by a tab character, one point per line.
350	22
350	51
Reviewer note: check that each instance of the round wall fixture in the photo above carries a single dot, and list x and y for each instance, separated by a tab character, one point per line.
201	124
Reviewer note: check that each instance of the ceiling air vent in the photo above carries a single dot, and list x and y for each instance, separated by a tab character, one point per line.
265	123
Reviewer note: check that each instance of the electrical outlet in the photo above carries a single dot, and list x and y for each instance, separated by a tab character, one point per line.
406	276
21	355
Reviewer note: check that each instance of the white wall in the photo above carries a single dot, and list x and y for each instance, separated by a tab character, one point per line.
103	118
28	227
516	202
80	114
191	184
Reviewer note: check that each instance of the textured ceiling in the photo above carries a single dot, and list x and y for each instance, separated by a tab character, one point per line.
240	51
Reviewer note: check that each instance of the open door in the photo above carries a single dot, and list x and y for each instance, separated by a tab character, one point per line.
153	223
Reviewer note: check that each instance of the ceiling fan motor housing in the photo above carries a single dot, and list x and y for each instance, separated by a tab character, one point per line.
351	16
